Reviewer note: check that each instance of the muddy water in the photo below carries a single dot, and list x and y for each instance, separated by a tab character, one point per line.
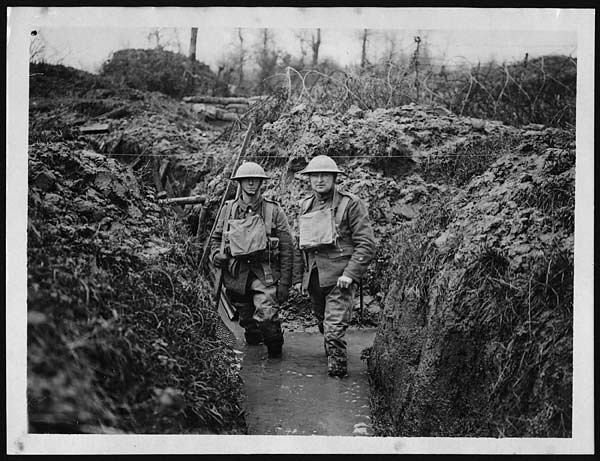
294	395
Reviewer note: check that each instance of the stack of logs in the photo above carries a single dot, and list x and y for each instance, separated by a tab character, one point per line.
221	108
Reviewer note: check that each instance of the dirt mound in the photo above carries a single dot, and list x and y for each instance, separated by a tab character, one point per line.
476	332
122	336
160	70
51	80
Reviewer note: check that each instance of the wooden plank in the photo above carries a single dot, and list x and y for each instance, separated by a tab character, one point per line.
97	128
191	200
215	100
238	108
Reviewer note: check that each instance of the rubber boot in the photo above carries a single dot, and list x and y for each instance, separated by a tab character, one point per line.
274	350
336	368
337	364
252	331
253	337
273	337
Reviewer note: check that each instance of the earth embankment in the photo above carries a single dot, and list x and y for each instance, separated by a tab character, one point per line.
471	287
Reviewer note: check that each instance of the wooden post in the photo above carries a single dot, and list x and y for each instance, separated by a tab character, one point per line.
193	38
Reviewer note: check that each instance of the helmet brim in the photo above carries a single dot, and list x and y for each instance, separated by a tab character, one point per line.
237	178
305	171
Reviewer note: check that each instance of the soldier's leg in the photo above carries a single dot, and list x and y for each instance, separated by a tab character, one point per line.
338	312
266	314
245	308
317	297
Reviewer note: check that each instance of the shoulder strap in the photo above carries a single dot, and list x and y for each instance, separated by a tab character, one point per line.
229	204
341	209
233	207
268	209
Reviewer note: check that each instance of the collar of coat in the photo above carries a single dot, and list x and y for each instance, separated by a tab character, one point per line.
335	196
256	205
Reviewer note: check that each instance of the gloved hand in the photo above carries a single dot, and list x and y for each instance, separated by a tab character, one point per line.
220	260
283	292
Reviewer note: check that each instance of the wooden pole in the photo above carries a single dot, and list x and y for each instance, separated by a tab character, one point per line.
193	39
191	200
360	312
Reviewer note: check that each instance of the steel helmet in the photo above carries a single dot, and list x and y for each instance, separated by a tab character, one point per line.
321	164
250	170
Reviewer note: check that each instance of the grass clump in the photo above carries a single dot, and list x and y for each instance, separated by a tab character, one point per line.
122	334
468	160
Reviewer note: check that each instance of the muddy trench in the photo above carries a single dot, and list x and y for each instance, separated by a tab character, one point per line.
473	274
293	395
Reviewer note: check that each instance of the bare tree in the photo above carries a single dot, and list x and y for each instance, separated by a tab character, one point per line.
267	57
390	46
164	37
193	38
155	35
241	57
40	51
315	43
302	38
363	56
37	47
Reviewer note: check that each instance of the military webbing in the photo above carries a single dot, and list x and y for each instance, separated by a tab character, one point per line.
339	212
231	209
268	218
227	216
341	209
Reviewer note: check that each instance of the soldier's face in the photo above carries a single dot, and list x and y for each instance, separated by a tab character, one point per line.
322	182
250	186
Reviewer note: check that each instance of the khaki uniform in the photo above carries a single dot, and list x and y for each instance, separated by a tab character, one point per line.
319	269
251	282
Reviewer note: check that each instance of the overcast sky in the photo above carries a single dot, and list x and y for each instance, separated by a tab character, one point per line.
85	37
86	48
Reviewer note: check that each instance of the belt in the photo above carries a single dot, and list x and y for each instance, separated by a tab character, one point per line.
266	267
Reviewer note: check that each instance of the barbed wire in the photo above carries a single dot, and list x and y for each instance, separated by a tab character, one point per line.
269	157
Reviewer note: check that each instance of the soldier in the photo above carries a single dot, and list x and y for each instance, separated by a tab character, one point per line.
253	246
337	244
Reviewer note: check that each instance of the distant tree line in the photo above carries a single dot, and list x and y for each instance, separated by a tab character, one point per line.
393	70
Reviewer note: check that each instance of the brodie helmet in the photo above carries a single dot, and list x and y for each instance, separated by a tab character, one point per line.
321	164
250	170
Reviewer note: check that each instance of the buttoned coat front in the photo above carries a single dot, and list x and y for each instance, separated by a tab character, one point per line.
350	255
236	274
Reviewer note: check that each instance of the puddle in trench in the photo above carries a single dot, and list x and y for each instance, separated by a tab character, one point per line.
293	395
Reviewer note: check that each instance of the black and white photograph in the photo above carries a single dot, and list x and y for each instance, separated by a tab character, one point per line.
299	230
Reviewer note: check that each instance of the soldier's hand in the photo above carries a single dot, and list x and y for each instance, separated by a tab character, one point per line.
344	282
283	292
298	288
220	260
